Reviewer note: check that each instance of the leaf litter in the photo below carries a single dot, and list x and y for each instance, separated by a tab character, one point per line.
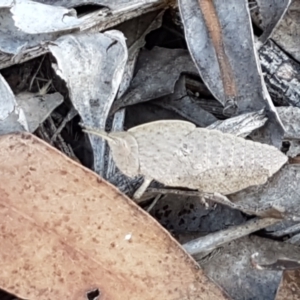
199	103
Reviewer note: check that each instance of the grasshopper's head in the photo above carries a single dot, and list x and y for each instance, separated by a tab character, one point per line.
124	150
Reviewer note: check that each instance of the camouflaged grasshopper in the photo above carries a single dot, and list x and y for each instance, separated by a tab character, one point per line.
178	154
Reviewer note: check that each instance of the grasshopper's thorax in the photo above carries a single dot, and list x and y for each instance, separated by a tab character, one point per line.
125	152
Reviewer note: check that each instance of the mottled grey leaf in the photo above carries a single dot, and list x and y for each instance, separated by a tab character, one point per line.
280	191
232	268
230	70
185	105
156	74
38	108
267	14
286	34
92	66
226	67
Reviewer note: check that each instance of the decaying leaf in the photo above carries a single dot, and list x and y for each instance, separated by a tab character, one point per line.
281	191
176	153
289	286
165	66
65	232
92	66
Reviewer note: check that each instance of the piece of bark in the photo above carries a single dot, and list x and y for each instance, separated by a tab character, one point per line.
72	231
92	66
241	125
281	74
210	242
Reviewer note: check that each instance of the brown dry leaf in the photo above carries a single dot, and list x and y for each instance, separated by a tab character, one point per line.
289	287
65	232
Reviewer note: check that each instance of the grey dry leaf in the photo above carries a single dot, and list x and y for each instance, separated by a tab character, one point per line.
185	105
23	26
267	14
165	66
226	67
176	153
38	108
281	191
232	268
12	117
286	34
65	232
92	66
290	117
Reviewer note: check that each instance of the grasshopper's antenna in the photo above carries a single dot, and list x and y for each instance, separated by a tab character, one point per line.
96	131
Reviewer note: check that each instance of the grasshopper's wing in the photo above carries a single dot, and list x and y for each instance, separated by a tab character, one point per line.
224	163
